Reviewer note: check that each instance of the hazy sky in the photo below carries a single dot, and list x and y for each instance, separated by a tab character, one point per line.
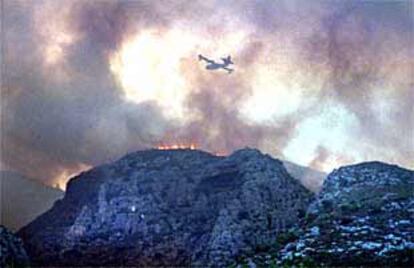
320	83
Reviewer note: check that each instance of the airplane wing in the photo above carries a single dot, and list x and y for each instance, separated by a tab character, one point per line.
201	57
228	70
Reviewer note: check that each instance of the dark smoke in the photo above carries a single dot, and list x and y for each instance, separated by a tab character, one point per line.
364	45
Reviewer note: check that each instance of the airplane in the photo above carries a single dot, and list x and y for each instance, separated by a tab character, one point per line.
212	65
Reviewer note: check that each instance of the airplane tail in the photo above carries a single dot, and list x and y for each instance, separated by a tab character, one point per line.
227	60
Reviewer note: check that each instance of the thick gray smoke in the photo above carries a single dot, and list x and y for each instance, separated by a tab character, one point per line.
63	116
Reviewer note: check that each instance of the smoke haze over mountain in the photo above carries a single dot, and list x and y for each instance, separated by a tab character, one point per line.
320	83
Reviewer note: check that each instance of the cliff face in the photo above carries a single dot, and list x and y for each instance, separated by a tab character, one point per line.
364	215
176	207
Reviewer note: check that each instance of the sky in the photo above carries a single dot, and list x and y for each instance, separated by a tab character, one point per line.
319	83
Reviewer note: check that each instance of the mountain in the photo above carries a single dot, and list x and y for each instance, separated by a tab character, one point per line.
169	208
310	178
363	216
23	199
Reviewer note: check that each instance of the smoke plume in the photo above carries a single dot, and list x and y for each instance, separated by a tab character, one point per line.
321	83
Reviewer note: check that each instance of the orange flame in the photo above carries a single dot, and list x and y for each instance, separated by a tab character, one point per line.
191	146
220	153
188	146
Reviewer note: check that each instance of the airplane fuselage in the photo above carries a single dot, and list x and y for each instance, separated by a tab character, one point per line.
215	66
212	65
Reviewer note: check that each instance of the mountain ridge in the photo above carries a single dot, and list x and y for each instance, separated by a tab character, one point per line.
192	208
168	207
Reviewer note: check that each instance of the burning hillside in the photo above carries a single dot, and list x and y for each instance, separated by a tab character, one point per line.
177	146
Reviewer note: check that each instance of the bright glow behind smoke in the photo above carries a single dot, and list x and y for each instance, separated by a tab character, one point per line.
149	66
66	174
271	95
325	130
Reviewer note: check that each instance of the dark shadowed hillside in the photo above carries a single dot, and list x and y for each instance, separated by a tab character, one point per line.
23	199
12	253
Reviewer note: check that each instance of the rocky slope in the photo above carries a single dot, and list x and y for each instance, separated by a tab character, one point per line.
23	199
12	253
364	215
173	207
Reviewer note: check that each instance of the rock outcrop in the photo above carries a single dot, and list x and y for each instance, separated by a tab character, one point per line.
172	208
364	216
12	253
